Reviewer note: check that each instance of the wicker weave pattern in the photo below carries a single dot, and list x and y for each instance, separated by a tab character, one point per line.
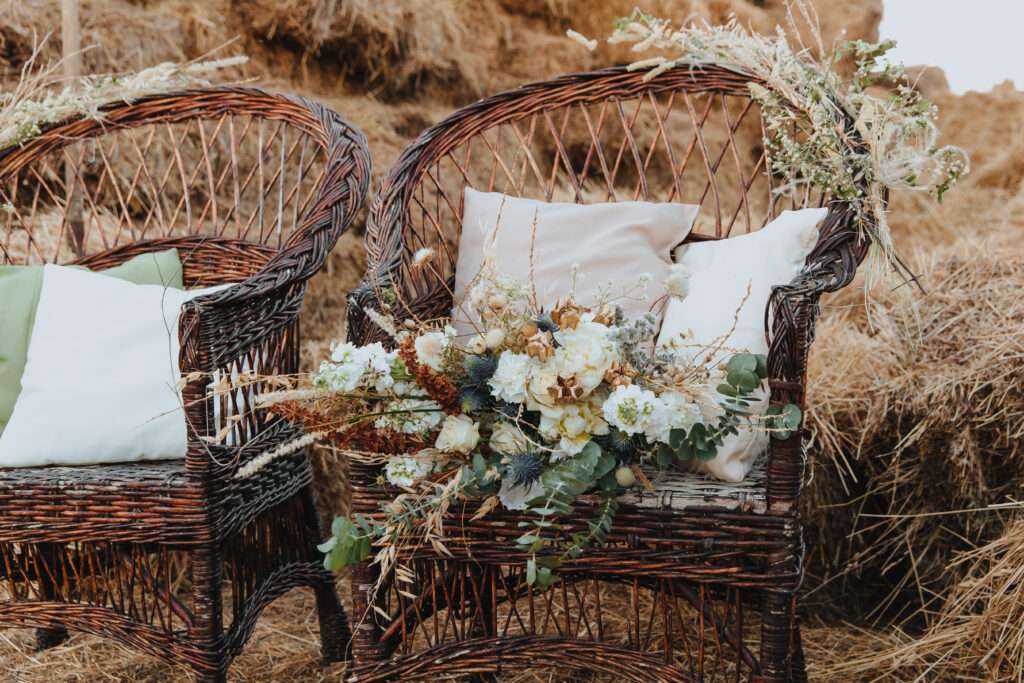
252	188
687	135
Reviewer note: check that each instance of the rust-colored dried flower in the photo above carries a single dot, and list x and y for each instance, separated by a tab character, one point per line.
437	386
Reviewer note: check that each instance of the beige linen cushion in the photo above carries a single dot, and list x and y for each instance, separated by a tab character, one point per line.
718	274
612	243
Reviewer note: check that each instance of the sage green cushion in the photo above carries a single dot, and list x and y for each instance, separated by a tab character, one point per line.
19	296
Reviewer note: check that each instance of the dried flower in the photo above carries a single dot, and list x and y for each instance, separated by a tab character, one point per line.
540	346
566	314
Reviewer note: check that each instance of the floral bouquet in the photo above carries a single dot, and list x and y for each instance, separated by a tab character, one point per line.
533	410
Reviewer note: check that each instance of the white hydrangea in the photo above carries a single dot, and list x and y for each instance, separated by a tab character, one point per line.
404	471
585	353
508	383
459	434
571	426
411	416
680	412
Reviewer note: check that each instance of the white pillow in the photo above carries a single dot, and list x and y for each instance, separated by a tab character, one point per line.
612	242
718	274
101	380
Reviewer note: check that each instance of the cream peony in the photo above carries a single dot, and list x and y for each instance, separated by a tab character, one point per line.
585	353
571	425
508	383
459	434
542	377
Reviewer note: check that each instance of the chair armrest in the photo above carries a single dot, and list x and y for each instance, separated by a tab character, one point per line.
251	328
790	320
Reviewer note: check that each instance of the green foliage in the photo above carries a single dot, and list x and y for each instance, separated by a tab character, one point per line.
349	543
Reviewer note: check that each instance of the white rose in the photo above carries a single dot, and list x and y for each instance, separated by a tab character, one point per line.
430	349
508	438
508	383
459	434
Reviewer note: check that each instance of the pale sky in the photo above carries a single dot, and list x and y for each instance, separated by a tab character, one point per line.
976	42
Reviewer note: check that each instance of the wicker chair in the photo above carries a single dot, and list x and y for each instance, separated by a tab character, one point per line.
699	578
252	188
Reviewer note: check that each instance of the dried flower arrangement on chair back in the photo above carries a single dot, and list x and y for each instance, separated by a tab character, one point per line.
516	428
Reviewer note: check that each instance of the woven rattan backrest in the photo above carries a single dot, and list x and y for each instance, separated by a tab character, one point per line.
236	166
686	136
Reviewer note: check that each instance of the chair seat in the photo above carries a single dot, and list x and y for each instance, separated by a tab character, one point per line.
138	501
679	490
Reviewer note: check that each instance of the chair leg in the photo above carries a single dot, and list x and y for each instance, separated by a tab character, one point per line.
49	590
799	664
335	635
207	631
781	651
366	645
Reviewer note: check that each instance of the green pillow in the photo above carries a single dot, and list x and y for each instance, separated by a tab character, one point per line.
19	295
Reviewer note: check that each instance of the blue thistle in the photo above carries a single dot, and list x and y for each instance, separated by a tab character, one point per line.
524	469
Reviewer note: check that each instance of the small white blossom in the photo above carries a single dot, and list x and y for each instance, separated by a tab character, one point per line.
430	348
411	416
678	281
422	256
404	471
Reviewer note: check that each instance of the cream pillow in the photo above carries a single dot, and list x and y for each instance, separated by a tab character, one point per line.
613	243
101	378
718	274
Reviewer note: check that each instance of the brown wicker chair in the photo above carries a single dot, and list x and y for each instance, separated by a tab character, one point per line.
252	188
699	578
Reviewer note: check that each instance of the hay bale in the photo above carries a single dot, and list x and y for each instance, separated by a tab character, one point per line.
916	413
